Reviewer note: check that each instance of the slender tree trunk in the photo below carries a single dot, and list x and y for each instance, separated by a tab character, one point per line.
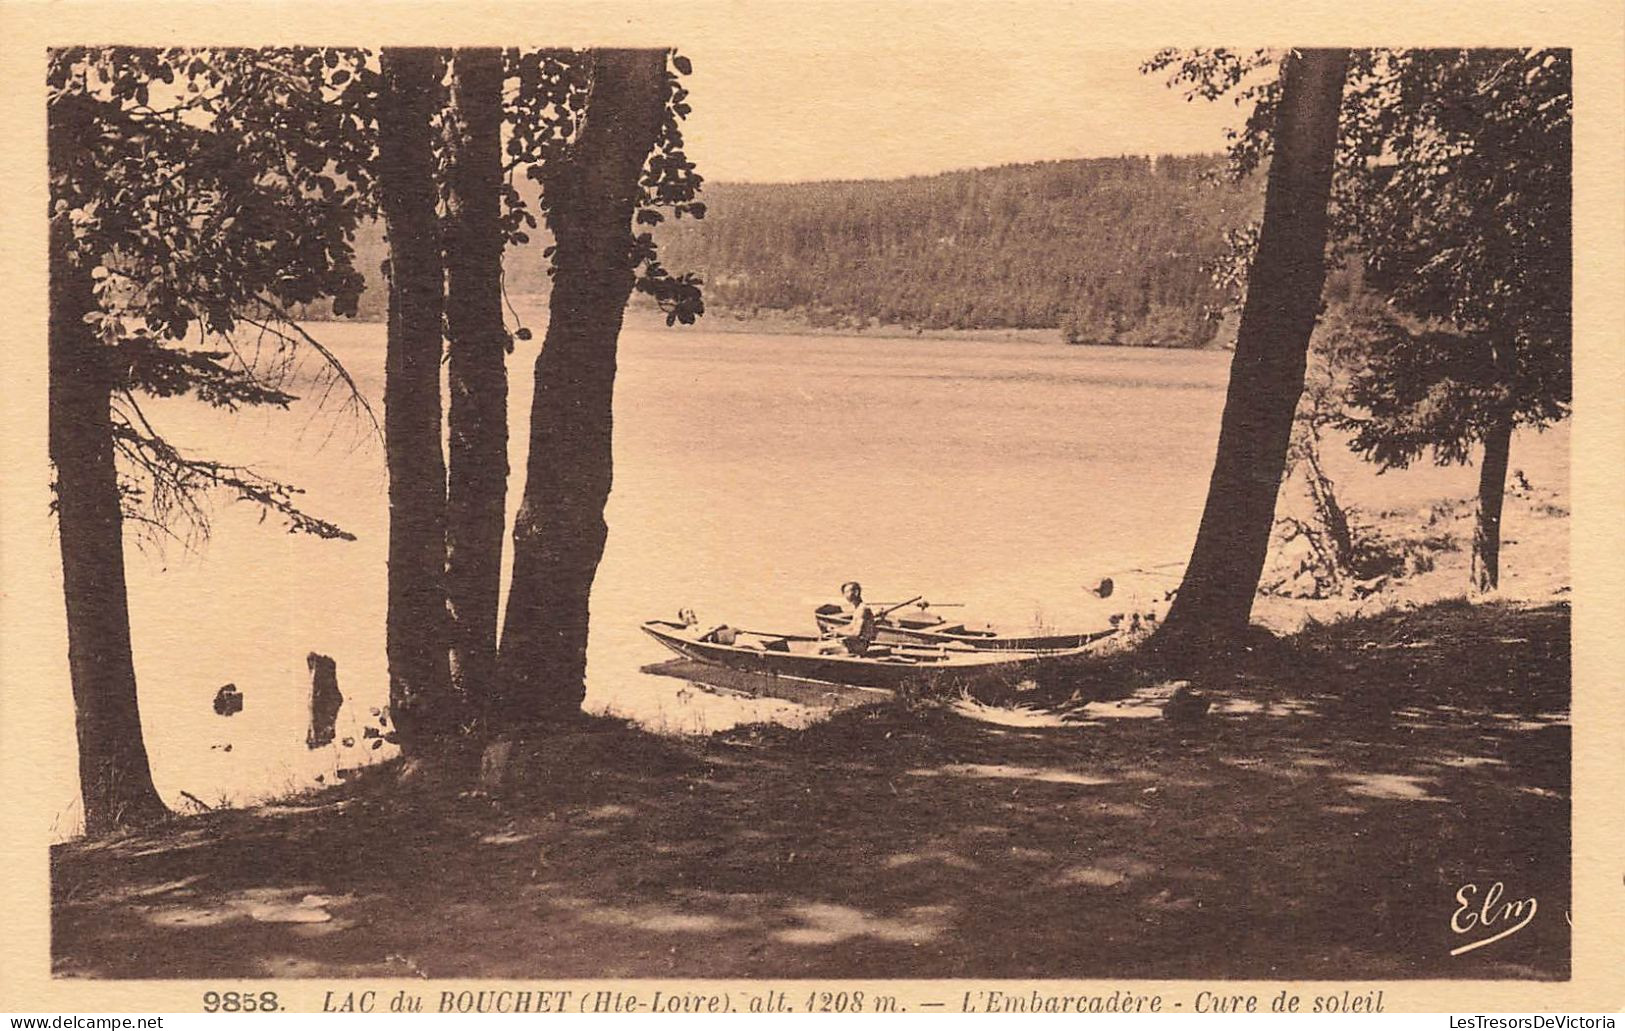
1332	516
1492	481
478	344
115	779
419	676
559	532
1215	599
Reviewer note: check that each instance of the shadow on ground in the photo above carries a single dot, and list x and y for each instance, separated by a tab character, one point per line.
1317	823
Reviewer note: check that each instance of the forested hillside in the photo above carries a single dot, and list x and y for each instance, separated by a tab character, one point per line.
1108	250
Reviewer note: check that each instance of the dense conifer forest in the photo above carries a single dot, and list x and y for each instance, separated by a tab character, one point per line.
1106	250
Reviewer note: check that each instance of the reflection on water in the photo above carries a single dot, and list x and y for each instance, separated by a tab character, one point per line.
818	698
753	475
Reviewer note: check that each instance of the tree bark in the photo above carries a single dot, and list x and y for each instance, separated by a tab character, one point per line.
559	533
1215	599
1492	480
416	635
115	779
478	343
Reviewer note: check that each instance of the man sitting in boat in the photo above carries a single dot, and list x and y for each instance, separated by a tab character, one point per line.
859	633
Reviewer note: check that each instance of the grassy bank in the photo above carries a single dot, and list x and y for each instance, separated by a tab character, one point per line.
1316	823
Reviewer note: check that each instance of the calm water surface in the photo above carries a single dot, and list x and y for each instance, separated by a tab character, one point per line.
753	474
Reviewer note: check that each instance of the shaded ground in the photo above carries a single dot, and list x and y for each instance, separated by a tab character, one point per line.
1317	823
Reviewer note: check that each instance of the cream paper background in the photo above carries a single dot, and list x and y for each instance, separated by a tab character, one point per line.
755	31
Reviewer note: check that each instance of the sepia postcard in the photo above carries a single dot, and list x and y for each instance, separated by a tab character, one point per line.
955	507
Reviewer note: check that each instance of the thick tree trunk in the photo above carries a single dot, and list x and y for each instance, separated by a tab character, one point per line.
115	779
1492	481
419	677
559	532
1215	599
478	344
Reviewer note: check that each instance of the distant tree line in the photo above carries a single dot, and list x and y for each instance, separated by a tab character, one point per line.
1108	250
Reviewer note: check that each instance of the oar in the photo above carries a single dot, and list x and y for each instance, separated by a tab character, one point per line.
883	613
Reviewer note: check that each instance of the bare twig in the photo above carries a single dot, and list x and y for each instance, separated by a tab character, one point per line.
282	315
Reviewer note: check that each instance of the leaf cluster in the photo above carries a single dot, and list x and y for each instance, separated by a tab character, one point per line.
546	96
208	189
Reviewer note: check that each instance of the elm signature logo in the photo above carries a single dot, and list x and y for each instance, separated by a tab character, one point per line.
1488	915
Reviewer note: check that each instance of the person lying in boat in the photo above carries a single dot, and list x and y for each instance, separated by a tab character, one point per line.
859	633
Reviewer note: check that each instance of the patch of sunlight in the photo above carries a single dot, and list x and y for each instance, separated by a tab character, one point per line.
1471	761
287	809
1540	792
1166	900
1165	781
180	887
505	838
826	923
181	917
1254	707
273	907
1395	786
261	905
1122	709
935	855
1090	876
1121	809
1048	775
1016	716
168	846
1345	810
1105	872
609	811
1539	721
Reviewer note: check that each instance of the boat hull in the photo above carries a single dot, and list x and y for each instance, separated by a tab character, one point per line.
799	658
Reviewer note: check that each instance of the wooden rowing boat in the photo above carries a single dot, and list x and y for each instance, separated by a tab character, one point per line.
734	683
924	627
806	658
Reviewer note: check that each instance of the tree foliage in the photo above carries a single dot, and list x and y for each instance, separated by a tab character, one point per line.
1453	191
209	190
545	108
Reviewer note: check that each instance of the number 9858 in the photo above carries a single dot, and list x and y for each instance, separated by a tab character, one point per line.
240	1002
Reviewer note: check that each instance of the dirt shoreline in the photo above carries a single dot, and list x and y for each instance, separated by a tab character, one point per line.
647	319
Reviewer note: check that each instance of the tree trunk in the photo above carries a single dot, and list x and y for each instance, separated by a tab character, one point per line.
1492	481
478	344
1215	599
419	676
115	779
559	533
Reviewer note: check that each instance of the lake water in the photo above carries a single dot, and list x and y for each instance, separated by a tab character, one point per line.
753	474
